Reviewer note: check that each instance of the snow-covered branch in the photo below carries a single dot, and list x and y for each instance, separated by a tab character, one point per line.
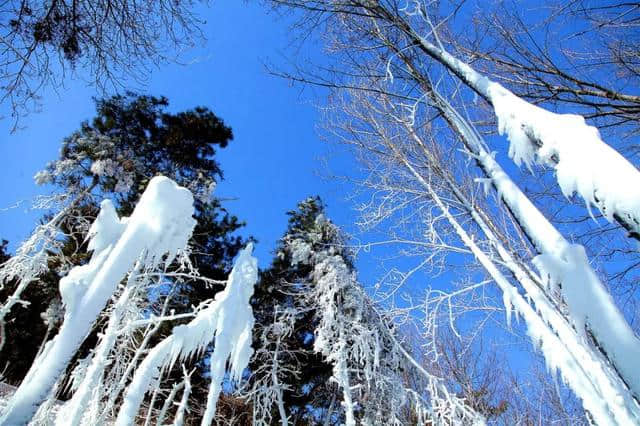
159	227
228	321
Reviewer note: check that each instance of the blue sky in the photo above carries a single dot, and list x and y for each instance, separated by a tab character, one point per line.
272	162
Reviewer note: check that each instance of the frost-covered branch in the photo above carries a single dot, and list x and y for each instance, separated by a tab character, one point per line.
268	389
228	321
584	163
169	401
31	258
159	227
184	401
369	365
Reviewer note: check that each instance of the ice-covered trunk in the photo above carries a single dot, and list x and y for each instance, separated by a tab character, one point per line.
341	373
557	356
228	320
331	275
587	373
539	135
565	265
160	225
583	161
585	370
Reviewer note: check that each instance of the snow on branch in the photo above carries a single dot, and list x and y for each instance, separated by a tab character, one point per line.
228	321
602	394
584	163
565	266
369	364
272	367
160	227
567	272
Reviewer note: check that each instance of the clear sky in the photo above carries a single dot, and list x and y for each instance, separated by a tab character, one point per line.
272	162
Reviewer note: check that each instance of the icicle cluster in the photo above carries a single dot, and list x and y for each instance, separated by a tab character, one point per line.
228	320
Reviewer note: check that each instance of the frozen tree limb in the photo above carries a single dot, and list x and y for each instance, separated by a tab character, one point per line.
228	321
160	225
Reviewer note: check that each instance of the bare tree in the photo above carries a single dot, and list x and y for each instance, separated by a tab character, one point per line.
42	43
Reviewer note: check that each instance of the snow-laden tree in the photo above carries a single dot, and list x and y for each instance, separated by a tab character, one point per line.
129	261
227	321
378	380
159	227
412	111
289	379
131	139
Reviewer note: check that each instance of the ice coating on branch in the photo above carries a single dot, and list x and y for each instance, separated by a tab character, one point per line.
76	283
555	332
369	365
602	177
164	215
106	229
228	320
590	304
104	232
584	164
184	401
161	224
567	269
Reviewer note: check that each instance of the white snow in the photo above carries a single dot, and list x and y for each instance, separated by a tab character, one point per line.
300	251
106	167
584	164
369	365
601	393
591	306
160	225
184	401
587	300
228	320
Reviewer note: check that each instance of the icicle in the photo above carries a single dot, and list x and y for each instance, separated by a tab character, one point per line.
228	320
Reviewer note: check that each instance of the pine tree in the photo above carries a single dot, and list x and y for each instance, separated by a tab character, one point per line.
307	392
325	352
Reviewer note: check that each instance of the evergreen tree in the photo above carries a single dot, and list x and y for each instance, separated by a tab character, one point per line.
307	391
325	354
